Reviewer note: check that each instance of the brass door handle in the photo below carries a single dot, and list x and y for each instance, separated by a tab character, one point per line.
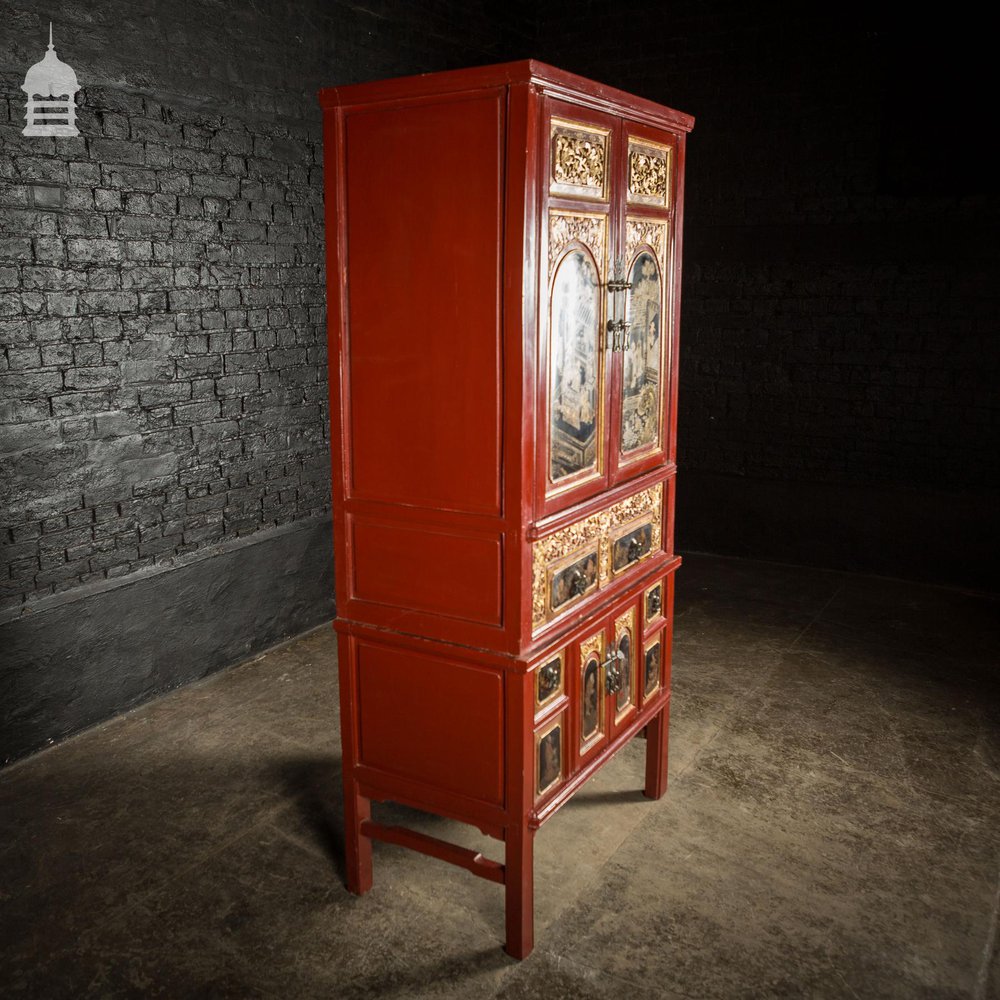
613	678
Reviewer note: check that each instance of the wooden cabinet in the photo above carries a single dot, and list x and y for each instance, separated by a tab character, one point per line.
503	267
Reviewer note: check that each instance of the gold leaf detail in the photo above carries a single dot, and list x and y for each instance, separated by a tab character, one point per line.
578	159
565	228
648	173
595	642
649	232
625	622
580	533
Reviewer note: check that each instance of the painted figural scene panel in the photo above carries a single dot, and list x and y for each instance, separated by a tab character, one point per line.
549	757
624	696
574	406
652	666
591	704
642	361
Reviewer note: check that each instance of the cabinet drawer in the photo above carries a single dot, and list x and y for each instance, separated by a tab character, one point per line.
550	681
632	545
654	601
569	579
588	554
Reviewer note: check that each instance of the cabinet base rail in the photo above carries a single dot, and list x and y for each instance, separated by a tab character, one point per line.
472	861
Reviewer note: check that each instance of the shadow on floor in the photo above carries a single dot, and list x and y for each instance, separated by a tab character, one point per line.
315	787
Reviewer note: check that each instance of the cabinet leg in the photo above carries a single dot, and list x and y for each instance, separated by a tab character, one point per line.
656	754
520	892
357	848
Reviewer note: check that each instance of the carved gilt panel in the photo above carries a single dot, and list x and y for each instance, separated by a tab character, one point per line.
582	535
648	173
579	159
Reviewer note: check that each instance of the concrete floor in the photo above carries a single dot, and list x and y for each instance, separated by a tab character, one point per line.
832	828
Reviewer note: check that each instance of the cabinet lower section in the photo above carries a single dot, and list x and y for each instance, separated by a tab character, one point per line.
499	742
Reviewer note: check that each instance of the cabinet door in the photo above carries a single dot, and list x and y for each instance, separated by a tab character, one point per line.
578	221
623	686
607	688
641	374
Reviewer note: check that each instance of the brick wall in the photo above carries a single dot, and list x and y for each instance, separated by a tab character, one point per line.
841	281
162	324
164	463
163	381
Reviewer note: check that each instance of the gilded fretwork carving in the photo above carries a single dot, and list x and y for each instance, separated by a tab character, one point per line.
574	227
625	623
648	232
579	159
594	644
578	535
648	173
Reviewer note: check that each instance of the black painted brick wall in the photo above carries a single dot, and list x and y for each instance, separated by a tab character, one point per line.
839	319
163	381
162	323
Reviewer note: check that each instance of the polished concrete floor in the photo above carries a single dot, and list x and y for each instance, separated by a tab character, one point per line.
832	828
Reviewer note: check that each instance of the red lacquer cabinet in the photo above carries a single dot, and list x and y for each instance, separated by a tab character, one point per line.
503	271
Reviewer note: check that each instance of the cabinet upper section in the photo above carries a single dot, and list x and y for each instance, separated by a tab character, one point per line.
608	301
502	273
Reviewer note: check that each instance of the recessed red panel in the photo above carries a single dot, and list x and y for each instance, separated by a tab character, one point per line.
417	568
435	720
423	332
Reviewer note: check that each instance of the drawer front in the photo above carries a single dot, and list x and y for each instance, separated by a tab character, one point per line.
588	554
653	602
568	579
550	681
632	545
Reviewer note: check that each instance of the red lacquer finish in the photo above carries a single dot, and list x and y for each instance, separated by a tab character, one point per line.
503	466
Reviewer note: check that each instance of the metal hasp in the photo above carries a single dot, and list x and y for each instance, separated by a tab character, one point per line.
612	672
618	288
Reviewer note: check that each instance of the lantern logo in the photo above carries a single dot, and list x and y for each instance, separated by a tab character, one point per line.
50	86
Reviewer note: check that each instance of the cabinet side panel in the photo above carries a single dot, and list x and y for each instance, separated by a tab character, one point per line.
423	249
434	720
406	567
